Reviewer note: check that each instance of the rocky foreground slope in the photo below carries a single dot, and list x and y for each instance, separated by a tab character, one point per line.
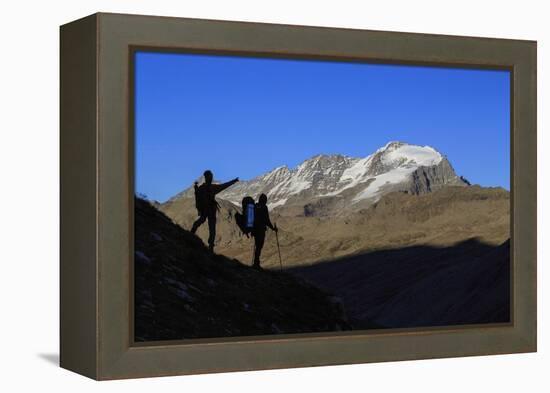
183	291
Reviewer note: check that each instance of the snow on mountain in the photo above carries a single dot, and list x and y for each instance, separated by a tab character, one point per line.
316	176
390	165
397	166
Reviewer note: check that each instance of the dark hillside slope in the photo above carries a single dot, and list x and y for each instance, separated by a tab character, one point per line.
183	291
420	286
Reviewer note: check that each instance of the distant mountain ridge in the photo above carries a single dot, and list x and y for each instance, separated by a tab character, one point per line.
397	166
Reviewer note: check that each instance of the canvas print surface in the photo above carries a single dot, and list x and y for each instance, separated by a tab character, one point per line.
284	196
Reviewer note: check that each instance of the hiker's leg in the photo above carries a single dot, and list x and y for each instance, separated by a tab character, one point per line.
211	230
259	238
198	223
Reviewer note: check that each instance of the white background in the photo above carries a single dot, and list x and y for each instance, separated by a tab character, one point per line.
29	241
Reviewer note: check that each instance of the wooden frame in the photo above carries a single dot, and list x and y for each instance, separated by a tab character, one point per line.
97	196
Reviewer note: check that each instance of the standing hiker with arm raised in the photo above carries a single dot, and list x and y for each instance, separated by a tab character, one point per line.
261	223
207	206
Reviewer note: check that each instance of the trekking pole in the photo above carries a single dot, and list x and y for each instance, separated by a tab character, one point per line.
278	247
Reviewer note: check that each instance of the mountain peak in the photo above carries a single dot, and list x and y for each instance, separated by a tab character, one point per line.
392	145
399	153
324	160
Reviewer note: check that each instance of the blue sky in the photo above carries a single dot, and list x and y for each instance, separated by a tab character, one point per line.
243	116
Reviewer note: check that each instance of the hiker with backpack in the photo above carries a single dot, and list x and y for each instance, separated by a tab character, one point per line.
261	223
207	206
254	220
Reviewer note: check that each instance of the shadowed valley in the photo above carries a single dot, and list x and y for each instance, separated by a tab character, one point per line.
420	286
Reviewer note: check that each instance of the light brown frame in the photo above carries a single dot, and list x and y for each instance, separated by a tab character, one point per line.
97	196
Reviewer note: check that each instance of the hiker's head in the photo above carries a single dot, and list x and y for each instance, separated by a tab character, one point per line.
263	199
208	176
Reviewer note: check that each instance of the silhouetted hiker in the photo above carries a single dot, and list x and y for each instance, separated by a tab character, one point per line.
261	222
207	207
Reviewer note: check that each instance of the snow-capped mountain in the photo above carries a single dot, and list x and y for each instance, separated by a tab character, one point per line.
397	166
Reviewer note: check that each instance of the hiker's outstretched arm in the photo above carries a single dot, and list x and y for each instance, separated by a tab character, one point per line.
223	186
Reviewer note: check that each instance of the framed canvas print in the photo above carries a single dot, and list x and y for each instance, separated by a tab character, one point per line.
241	196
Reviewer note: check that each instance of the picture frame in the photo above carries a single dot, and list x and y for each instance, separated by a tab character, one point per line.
96	196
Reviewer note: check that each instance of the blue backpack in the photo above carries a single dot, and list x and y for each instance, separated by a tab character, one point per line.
245	221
